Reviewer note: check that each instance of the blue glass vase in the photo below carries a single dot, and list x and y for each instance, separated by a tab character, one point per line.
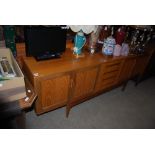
79	42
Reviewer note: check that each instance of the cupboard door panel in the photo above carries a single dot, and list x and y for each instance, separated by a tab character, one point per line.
140	65
127	69
84	83
55	91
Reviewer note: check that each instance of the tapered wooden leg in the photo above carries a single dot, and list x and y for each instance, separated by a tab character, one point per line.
67	111
137	80
124	85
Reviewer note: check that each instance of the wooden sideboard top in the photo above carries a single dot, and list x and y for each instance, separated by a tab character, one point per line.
67	62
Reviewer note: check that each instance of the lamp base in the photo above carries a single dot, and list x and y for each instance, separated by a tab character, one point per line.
79	55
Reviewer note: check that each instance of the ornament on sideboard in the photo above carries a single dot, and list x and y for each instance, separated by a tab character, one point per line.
93	39
109	44
117	50
79	42
104	33
120	35
125	49
139	39
109	39
127	35
80	39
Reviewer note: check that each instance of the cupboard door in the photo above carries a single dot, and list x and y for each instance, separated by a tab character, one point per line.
54	92
126	71
140	65
84	83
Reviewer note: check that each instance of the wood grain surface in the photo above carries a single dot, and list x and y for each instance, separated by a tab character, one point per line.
70	80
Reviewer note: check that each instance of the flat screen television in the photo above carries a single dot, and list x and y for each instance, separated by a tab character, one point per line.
45	42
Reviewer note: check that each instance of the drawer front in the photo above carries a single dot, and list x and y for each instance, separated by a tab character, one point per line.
112	66
108	75
103	84
108	82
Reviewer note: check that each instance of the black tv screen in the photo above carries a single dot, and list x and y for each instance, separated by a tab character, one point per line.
42	40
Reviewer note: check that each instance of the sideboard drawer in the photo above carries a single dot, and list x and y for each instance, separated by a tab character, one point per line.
112	66
108	75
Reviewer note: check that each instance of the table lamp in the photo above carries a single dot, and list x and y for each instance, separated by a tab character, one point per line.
80	39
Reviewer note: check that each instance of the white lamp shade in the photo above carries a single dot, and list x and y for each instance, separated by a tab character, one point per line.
85	28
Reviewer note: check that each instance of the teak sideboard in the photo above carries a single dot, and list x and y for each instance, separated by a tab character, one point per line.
70	80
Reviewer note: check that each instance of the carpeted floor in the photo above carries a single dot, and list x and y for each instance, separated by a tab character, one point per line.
134	108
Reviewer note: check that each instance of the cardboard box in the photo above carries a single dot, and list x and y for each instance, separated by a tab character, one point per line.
13	89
